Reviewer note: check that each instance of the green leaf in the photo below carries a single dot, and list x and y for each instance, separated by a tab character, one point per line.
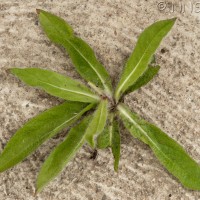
80	52
56	84
38	130
97	123
115	142
110	137
146	77
169	152
138	62
62	154
103	140
153	60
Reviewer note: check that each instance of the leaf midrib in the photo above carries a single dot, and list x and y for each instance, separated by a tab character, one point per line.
47	134
105	86
125	81
74	150
77	146
123	111
84	94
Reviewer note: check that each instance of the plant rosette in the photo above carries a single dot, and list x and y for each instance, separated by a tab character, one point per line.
100	128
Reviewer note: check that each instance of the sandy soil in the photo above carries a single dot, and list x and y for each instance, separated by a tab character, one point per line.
171	101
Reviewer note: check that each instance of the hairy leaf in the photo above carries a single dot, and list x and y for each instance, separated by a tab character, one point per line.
80	52
38	130
138	62
62	154
56	84
97	123
146	77
169	152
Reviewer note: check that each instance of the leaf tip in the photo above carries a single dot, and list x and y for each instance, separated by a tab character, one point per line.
38	189
173	20
116	169
12	70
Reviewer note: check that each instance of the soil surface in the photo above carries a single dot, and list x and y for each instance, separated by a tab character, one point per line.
171	100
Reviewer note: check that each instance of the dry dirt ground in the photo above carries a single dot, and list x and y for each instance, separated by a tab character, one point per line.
171	100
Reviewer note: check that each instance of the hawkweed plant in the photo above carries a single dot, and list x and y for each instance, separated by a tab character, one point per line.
100	128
